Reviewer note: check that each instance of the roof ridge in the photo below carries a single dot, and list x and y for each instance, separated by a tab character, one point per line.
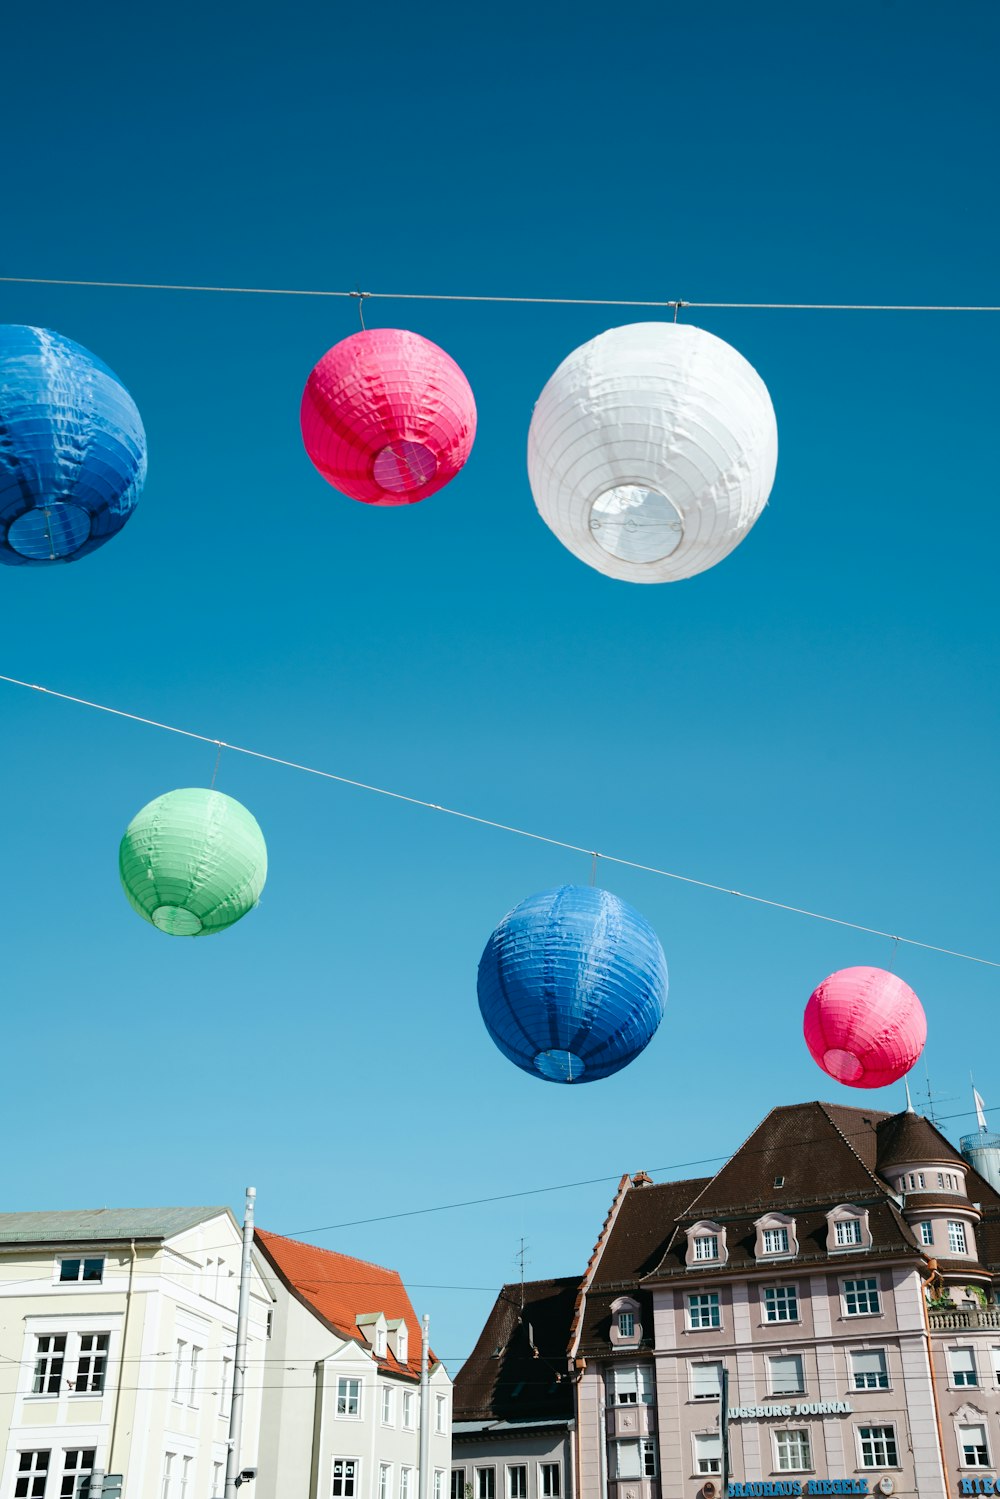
337	1253
825	1109
587	1280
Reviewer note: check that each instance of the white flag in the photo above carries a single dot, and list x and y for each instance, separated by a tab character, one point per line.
980	1106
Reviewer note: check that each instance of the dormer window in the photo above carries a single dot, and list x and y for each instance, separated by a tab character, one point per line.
706	1245
776	1238
847	1229
380	1342
626	1329
402	1343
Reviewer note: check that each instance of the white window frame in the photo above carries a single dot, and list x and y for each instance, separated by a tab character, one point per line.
702	1302
409	1410
963	1447
705	1363
545	1488
840	1232
781	1235
626	1325
510	1470
860	1389
880	1426
772	1359
83	1259
385	1480
783	1298
706	1247
387	1406
355	1478
226	1389
45	1367
97	1360
407	1487
441	1414
402	1344
706	1463
193	1389
459	1474
802	1433
958	1238
872	1288
955	1382
345	1398
646	1454
438	1483
480	1470
380	1342
180	1363
81	1469
926	1228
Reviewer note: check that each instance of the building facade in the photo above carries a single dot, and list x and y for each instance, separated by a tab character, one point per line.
341	1407
514	1422
117	1339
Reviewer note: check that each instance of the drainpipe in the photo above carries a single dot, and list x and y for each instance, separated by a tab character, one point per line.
425	1411
121	1360
930	1364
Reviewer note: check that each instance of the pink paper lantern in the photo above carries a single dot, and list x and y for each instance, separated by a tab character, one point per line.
387	417
865	1027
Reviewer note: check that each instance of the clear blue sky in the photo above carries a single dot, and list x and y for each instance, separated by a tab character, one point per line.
814	720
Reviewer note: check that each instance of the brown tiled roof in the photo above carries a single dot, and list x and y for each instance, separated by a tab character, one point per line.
911	1137
340	1289
517	1370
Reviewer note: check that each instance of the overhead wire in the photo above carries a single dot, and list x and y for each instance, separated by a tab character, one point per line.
417	296
504	827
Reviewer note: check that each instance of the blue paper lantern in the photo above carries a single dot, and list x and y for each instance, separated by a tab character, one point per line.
572	984
72	449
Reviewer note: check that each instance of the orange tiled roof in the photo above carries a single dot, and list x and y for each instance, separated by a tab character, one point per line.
341	1289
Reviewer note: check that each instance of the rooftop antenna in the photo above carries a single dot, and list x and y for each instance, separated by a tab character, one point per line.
932	1097
521	1255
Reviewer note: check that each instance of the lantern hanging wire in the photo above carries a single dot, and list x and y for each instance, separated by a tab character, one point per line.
503	827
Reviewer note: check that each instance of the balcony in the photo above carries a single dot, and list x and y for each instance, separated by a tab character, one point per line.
631	1421
948	1319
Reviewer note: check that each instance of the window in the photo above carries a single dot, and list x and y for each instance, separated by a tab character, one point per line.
440	1413
926	1232
956	1238
270	1324
486	1483
187	1463
775	1242
703	1310
972	1442
786	1374
218	1480
868	1369
380	1342
962	1363
549	1483
92	1363
779	1182
32	1473
226	1390
78	1464
631	1384
946	1181
861	1299
348	1397
708	1453
345	1478
848	1231
438	1483
916	1181
517	1482
49	1359
633	1459
179	1366
409	1402
878	1446
81	1270
706	1381
385	1481
706	1247
626	1324
402	1343
192	1375
792	1448
166	1487
387	1413
457	1483
781	1304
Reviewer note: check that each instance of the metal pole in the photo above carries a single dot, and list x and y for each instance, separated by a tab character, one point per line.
425	1410
239	1362
724	1428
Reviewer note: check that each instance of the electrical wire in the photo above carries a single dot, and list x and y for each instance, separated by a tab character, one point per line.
418	296
503	827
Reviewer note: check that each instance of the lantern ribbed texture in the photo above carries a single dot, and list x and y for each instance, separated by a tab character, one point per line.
388	417
652	451
193	862
572	984
865	1027
72	449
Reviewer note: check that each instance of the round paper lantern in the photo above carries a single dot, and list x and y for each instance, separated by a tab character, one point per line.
572	984
652	451
193	862
387	417
865	1027
72	449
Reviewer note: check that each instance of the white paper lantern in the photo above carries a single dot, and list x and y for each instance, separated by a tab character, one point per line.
652	451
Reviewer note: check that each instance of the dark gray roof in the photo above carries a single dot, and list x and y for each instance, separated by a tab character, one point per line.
101	1225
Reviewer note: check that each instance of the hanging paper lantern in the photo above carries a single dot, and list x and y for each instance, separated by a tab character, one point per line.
652	451
572	984
387	417
865	1027
72	449
193	862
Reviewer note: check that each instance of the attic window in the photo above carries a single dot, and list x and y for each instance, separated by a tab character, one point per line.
626	1324
401	1344
380	1342
779	1181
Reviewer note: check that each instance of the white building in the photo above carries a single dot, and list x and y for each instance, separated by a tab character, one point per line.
117	1334
341	1414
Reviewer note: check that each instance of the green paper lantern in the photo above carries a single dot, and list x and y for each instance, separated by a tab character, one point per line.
193	862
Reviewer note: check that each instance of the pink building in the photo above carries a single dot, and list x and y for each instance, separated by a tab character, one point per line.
839	1271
